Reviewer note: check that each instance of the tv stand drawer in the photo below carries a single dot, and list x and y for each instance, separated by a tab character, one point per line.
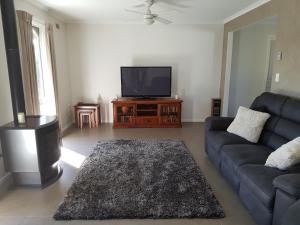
146	120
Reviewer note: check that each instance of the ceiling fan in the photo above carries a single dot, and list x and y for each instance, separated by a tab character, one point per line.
149	17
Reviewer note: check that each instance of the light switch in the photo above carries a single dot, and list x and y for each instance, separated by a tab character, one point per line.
277	77
279	56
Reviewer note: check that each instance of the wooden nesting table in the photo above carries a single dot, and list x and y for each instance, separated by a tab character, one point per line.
89	111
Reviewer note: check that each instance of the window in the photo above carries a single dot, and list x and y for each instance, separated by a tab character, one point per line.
43	72
38	63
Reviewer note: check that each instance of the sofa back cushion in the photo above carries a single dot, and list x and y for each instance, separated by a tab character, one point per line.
270	103
291	110
284	123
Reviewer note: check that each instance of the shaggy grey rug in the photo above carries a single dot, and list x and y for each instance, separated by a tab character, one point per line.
139	179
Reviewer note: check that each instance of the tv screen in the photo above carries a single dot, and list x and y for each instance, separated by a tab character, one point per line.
146	81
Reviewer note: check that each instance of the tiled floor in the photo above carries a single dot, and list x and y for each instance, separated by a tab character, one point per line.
33	206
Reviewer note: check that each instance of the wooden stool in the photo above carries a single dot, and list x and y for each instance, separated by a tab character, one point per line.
87	108
91	118
89	115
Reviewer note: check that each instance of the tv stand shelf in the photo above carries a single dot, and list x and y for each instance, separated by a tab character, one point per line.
131	113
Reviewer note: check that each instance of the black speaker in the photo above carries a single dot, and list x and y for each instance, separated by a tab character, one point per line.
216	105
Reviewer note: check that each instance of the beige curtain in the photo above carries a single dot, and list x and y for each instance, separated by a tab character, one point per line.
28	63
52	63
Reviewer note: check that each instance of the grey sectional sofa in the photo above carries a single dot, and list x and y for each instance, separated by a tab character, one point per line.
271	195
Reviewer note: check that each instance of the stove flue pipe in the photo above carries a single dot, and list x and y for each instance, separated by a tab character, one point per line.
13	56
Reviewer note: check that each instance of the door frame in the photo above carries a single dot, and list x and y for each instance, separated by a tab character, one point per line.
227	74
270	39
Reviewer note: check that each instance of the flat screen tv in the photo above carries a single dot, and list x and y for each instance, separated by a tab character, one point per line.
146	82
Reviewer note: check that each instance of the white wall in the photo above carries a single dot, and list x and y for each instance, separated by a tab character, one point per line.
96	53
249	65
64	86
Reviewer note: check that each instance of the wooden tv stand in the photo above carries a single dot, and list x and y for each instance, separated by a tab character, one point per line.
138	113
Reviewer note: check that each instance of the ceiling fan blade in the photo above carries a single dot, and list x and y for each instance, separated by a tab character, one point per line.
169	8
134	11
139	6
162	20
173	3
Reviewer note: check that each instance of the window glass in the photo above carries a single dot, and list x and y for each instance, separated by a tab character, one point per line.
38	63
43	72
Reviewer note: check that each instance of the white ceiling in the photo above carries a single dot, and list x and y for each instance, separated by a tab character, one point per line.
112	11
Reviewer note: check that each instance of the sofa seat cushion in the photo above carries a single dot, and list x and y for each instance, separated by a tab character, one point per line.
259	180
241	154
217	139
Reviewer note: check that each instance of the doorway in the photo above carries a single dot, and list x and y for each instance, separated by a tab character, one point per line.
250	60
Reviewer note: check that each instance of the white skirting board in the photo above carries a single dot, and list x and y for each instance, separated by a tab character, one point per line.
66	127
192	120
6	182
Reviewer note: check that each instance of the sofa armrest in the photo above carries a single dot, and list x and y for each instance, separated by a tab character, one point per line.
217	123
289	183
292	216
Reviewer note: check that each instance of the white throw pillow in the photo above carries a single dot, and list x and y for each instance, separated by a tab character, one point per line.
248	124
285	156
